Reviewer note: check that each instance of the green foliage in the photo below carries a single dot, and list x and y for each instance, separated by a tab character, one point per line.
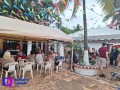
78	28
115	7
69	31
77	47
107	6
92	62
81	62
66	30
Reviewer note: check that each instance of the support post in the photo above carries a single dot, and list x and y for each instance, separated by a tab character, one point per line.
46	54
1	44
21	44
55	46
29	47
49	46
41	45
72	58
37	44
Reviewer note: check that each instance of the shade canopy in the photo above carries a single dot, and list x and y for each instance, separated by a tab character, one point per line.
17	29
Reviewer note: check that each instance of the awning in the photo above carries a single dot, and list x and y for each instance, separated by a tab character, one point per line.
17	29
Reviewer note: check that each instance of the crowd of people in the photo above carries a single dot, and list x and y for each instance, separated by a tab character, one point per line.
102	57
37	57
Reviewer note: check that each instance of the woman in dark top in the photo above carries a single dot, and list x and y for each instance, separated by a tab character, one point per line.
75	58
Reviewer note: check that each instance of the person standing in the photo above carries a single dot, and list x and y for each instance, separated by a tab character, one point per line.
103	58
75	60
112	56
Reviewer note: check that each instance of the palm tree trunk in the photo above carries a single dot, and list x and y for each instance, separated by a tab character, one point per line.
85	58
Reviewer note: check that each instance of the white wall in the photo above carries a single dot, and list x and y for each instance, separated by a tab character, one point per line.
94	45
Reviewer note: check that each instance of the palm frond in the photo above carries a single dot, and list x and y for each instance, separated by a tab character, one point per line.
107	17
76	6
107	6
62	7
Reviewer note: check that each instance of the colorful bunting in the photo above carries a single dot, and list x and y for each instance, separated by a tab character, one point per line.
25	14
22	7
76	2
92	9
32	4
30	13
23	17
26	18
15	7
56	6
15	1
64	2
23	1
1	1
63	14
38	16
6	3
67	20
28	9
19	11
13	13
17	15
4	11
50	13
39	2
5	7
32	10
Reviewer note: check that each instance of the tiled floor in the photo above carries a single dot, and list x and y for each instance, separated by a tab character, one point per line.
66	80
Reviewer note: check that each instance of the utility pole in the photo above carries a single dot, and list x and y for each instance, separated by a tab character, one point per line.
85	58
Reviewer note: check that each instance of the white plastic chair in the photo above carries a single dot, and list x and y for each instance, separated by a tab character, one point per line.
52	61
59	66
11	68
27	67
40	62
48	65
21	63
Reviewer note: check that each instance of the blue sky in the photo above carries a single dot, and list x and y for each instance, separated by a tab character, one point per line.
94	19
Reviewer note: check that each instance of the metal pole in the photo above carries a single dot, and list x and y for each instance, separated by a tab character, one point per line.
72	58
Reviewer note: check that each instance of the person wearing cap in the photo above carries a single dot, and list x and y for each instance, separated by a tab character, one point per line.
103	58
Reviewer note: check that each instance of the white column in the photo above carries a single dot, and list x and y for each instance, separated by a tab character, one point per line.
49	48
37	44
29	47
41	45
55	46
61	49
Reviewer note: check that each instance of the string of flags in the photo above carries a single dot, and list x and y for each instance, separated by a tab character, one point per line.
31	11
37	11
